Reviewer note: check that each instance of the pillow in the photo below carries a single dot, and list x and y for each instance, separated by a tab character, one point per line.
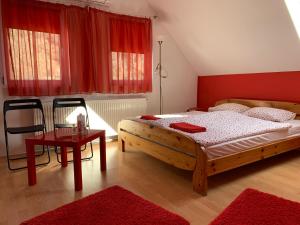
229	107
271	114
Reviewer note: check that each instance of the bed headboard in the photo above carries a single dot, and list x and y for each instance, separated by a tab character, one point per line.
290	106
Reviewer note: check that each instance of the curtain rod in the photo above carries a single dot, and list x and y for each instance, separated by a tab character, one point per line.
93	2
90	3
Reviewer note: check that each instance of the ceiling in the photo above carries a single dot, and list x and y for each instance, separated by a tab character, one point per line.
232	36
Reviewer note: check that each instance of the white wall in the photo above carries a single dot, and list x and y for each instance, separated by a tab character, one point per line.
232	36
179	88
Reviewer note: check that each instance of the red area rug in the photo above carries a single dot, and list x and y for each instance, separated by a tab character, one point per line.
113	206
257	208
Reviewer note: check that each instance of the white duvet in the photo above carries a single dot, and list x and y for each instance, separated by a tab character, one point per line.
222	126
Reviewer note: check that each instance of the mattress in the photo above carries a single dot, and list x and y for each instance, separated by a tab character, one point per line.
243	144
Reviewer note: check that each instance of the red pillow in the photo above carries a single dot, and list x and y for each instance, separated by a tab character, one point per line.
187	127
149	117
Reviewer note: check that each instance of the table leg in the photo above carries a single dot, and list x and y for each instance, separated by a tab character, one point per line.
64	156
77	168
102	152
31	170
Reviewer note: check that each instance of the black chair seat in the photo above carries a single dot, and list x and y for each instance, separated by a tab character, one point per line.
22	130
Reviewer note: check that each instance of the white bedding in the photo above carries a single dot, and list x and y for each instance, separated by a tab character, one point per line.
222	126
242	144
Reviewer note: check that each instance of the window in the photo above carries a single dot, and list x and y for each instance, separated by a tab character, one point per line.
34	55
53	49
127	66
293	7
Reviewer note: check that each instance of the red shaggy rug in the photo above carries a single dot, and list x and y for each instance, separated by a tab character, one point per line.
113	206
257	208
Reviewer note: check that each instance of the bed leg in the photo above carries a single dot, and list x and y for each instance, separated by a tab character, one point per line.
200	173
121	144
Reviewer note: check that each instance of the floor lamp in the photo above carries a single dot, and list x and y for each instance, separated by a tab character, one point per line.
159	67
159	70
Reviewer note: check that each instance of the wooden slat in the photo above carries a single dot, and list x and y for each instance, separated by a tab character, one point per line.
159	135
252	155
177	159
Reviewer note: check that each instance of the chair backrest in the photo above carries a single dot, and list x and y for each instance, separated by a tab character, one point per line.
21	104
67	103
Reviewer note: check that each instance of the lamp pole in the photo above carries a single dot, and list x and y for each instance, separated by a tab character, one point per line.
160	79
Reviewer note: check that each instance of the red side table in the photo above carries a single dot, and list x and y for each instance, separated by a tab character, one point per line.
65	138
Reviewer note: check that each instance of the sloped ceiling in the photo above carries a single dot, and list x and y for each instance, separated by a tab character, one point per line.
232	36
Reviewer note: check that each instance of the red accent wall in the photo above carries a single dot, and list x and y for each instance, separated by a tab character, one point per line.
282	86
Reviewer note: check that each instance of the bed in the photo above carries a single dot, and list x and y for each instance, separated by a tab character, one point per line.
184	152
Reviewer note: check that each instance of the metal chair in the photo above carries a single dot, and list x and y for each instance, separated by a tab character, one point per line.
23	104
68	103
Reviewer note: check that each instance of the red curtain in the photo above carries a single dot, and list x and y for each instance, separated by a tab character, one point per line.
79	49
101	51
131	54
32	40
52	49
121	53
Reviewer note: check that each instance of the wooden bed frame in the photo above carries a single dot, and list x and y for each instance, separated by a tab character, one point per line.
183	152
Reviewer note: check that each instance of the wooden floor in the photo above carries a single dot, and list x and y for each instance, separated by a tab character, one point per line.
158	182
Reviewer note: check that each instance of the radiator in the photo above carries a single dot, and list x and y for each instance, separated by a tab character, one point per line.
103	114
